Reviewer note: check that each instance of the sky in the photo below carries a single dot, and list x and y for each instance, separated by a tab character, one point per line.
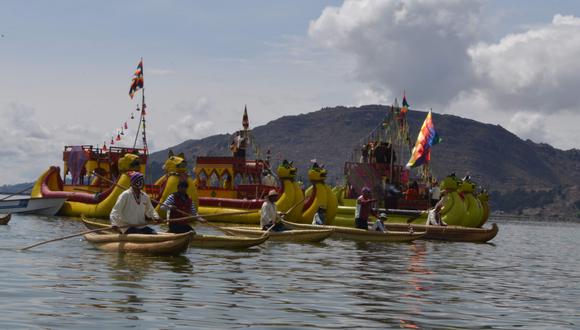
66	67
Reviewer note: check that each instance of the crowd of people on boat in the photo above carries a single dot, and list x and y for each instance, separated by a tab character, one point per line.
378	152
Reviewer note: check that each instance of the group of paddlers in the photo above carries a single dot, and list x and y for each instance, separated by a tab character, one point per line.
378	152
133	210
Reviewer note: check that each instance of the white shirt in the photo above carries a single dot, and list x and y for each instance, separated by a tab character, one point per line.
268	214
269	180
435	193
127	212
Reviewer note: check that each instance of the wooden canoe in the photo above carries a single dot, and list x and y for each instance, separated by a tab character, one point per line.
162	243
4	218
450	233
203	241
294	236
361	235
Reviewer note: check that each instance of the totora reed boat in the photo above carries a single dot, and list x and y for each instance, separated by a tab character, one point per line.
162	243
204	241
292	236
361	235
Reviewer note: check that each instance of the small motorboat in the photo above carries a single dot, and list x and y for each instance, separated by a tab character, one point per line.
28	205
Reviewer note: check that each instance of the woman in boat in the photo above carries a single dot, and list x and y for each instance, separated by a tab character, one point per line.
133	208
178	205
269	213
363	209
319	217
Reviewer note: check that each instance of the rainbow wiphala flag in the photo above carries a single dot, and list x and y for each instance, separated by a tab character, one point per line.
137	82
427	138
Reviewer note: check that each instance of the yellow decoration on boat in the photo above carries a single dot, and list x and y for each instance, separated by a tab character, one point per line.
473	208
453	209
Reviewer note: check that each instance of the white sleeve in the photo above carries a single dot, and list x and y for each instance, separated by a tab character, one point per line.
116	215
149	209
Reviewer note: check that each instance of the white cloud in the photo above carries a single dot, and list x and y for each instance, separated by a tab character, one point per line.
434	50
534	70
419	45
29	147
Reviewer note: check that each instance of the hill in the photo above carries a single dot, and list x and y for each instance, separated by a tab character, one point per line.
544	179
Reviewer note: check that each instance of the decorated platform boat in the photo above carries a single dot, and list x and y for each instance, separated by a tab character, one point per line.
93	177
236	184
405	191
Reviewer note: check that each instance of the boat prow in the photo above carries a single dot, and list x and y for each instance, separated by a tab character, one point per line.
160	244
361	235
4	218
451	233
293	236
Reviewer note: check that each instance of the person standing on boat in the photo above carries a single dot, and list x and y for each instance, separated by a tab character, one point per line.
178	205
363	209
269	213
320	216
133	208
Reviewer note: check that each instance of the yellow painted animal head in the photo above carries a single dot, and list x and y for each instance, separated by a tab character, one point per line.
466	187
483	196
449	183
316	173
175	163
286	170
129	162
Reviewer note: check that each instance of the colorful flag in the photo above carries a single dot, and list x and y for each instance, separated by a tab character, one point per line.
427	138
126	127
245	120
137	82
118	137
405	106
104	146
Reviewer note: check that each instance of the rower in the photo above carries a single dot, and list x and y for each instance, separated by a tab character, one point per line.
434	215
269	213
320	216
178	205
133	208
380	223
364	209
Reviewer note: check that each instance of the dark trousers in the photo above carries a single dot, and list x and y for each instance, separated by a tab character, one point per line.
178	228
361	223
146	230
277	227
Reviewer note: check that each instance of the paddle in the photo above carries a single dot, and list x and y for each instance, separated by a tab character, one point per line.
16	193
197	217
91	231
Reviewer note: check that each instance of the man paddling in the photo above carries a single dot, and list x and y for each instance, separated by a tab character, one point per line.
178	205
363	209
133	208
269	213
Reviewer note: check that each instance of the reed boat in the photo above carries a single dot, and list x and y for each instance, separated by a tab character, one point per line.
162	243
203	241
4	218
28	205
361	235
292	236
450	233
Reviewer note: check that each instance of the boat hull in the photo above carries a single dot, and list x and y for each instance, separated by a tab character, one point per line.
161	244
451	233
361	235
40	206
293	236
203	241
4	218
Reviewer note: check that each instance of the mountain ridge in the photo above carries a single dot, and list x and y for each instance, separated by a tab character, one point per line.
494	157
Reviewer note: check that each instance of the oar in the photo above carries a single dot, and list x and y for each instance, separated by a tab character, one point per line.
70	236
197	217
16	193
88	232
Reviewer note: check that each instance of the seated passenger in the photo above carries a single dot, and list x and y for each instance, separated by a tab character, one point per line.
319	217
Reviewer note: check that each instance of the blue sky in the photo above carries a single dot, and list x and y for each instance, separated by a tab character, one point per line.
66	66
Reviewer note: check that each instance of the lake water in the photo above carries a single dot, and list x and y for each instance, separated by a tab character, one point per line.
528	278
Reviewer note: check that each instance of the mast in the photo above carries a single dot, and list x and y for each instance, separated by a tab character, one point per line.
142	116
